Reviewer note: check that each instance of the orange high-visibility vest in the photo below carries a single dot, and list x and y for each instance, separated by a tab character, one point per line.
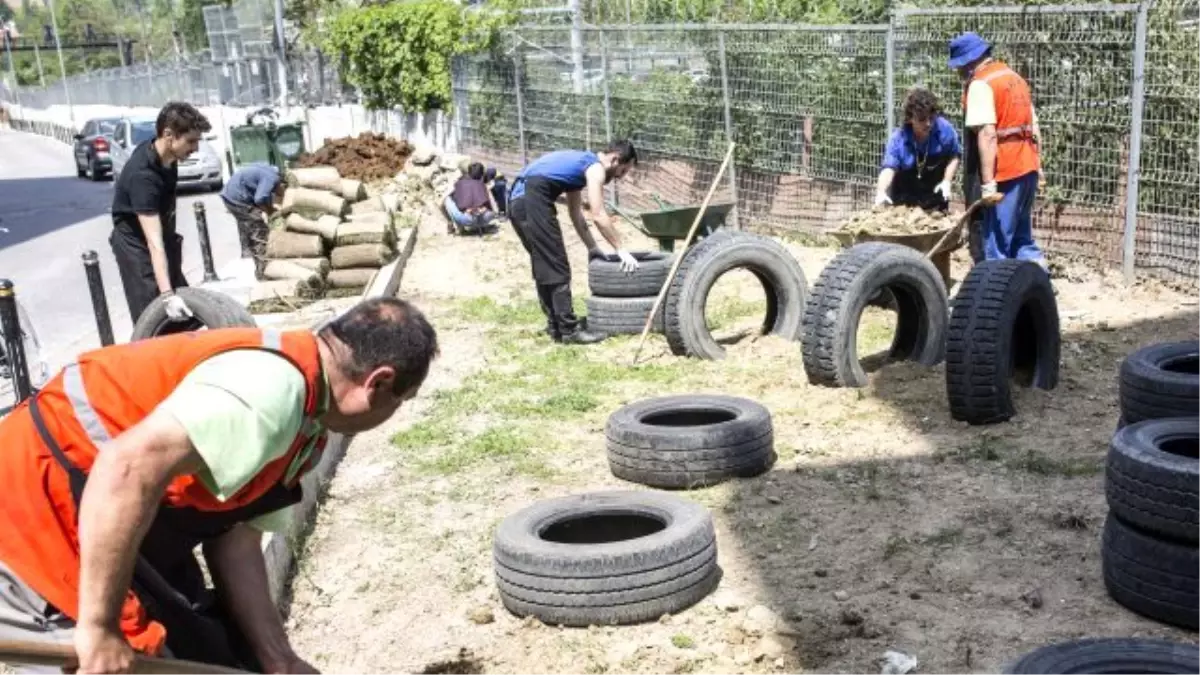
92	401
1016	153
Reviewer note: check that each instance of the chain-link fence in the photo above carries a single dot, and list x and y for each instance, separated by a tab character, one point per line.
312	79
1115	86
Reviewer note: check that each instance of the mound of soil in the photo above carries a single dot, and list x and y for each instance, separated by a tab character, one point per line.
898	220
366	157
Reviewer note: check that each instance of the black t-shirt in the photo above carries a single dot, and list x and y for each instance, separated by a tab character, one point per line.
145	186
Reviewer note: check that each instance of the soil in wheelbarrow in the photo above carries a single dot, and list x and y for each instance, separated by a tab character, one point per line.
898	220
367	157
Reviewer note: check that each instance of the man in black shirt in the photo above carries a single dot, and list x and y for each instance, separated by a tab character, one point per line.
149	252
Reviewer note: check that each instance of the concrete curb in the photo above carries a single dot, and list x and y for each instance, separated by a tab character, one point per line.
280	548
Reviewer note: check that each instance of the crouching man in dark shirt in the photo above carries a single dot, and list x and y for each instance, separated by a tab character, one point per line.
470	205
148	250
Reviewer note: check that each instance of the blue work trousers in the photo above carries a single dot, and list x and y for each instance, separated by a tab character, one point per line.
1008	226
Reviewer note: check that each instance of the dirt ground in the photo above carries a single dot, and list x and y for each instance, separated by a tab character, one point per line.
883	526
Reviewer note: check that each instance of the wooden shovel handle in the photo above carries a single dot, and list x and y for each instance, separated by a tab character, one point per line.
31	653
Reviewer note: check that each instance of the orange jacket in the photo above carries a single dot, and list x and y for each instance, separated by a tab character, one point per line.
102	394
1016	153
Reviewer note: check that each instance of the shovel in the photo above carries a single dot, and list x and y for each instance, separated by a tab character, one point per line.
962	221
26	652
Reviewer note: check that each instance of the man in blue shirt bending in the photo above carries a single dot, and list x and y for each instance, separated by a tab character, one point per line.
250	196
921	157
532	212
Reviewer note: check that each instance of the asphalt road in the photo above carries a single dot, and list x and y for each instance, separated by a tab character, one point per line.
50	218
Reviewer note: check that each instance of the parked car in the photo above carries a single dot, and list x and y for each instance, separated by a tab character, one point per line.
202	169
92	148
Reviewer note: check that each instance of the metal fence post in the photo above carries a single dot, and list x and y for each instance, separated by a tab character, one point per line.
91	268
1138	101
889	74
210	273
608	130
14	346
733	187
520	105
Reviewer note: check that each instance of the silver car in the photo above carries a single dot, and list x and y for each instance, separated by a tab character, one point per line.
202	169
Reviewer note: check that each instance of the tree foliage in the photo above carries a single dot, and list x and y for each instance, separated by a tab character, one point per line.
400	54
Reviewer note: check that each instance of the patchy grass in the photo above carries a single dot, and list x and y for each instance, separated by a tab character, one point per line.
683	641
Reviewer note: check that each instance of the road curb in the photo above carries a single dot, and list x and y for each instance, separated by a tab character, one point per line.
280	548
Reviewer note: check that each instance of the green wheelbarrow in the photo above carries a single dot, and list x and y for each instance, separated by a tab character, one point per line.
673	222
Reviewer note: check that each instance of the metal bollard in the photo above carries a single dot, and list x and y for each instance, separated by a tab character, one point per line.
10	323
210	273
91	267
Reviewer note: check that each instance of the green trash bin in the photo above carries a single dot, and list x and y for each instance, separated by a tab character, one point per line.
278	146
288	140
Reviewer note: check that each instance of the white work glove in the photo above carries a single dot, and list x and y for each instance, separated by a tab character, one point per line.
177	309
882	199
943	189
988	190
628	263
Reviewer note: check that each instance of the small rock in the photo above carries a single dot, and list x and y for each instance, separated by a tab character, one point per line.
423	156
915	595
771	648
727	601
531	622
759	620
734	635
898	663
1033	598
851	617
481	615
665	619
812	543
841	596
821	573
774	500
780	663
743	658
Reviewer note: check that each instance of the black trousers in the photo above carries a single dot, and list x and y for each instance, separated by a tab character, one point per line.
137	272
536	224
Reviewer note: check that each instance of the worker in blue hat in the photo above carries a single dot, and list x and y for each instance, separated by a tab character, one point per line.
921	156
1003	158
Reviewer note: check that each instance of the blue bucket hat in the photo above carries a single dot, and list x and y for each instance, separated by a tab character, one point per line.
967	48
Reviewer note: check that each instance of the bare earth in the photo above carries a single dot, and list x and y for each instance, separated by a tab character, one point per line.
884	524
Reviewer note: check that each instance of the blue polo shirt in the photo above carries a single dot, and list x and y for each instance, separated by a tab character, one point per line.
566	168
252	185
902	148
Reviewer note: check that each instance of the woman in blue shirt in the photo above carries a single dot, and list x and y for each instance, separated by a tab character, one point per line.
921	156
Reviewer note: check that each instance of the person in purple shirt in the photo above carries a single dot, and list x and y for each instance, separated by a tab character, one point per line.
921	157
250	197
470	205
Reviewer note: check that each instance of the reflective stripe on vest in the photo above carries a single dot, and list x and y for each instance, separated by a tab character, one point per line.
86	414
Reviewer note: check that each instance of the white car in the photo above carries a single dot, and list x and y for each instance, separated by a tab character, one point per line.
202	169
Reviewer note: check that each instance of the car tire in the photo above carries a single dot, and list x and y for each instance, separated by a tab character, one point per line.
1160	380
1004	316
1151	576
1152	475
606	279
853	279
211	310
622	316
1109	655
94	172
605	558
704	262
80	171
689	441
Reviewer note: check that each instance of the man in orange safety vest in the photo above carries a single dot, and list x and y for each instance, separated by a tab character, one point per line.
135	454
1002	149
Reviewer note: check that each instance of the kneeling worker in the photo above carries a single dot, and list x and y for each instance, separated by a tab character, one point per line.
921	157
531	209
135	453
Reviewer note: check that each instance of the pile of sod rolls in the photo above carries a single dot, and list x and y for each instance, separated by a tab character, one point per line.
328	235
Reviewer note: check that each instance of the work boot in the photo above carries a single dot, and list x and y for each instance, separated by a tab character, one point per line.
581	336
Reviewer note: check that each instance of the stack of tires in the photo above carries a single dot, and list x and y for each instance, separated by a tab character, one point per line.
1149	550
620	303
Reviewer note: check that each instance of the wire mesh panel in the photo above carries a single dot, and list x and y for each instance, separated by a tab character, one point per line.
485	109
1168	234
1079	65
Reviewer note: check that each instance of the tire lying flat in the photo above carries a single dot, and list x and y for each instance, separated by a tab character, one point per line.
689	441
605	278
704	262
1004	317
1109	655
854	278
1152	476
622	316
211	310
1154	577
605	558
1160	380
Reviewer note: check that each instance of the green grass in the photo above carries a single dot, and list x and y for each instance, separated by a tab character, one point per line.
728	311
506	415
876	329
683	641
